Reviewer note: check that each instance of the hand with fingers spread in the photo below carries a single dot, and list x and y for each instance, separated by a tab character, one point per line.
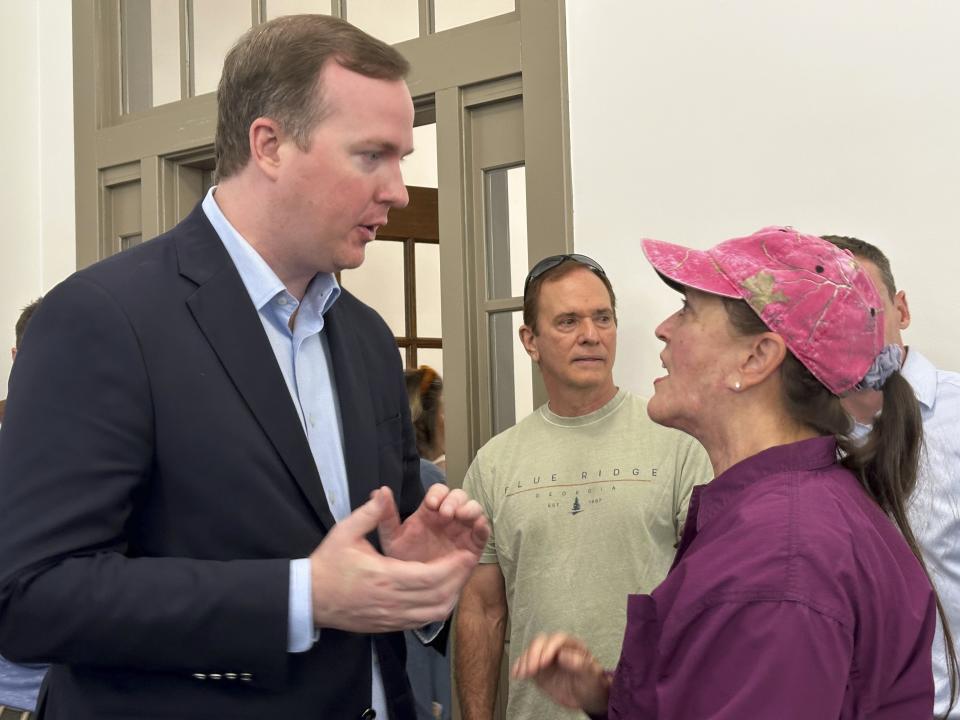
566	671
447	522
355	588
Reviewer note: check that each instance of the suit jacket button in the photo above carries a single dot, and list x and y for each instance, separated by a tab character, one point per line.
200	676
368	714
214	676
246	677
230	676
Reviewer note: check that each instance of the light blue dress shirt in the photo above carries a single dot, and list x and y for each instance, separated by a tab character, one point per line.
20	684
934	507
304	359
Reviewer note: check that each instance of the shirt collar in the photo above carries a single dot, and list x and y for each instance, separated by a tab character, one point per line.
576	421
818	452
258	277
922	376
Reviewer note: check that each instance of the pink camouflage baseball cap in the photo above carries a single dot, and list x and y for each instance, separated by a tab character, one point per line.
810	292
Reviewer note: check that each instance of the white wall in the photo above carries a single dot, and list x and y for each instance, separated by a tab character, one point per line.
692	122
57	178
38	247
20	200
698	121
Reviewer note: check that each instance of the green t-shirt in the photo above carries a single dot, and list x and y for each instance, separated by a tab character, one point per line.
584	511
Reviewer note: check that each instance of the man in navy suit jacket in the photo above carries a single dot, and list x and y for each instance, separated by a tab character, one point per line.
205	431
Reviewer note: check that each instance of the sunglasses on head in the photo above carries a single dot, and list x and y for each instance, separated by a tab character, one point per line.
548	263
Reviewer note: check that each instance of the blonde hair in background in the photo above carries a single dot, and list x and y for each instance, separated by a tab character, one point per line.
424	391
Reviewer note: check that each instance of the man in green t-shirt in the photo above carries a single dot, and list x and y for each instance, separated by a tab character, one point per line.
586	497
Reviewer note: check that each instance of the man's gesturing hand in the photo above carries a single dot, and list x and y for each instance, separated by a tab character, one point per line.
429	558
446	523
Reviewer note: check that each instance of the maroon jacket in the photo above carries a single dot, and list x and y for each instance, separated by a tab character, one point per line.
792	597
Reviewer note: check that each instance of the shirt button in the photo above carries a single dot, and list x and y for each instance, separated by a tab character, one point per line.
281	300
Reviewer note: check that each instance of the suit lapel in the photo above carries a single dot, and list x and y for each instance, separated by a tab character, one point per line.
222	309
360	446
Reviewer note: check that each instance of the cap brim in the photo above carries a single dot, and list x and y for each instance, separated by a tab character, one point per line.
688	267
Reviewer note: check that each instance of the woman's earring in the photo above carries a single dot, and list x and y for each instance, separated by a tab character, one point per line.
736	386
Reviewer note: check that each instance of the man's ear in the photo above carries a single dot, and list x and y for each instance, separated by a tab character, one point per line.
903	310
265	139
529	341
766	354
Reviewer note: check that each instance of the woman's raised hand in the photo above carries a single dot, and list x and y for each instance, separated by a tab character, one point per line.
566	671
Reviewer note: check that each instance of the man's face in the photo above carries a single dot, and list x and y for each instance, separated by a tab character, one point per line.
896	313
576	340
337	194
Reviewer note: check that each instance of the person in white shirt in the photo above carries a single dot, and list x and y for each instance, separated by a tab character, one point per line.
934	508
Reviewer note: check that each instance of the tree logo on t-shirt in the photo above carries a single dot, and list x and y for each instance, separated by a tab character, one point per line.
576	506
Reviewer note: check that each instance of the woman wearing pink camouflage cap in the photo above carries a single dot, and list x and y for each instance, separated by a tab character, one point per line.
798	591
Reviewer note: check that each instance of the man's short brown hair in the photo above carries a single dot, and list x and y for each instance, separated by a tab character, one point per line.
863	249
273	71
24	320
